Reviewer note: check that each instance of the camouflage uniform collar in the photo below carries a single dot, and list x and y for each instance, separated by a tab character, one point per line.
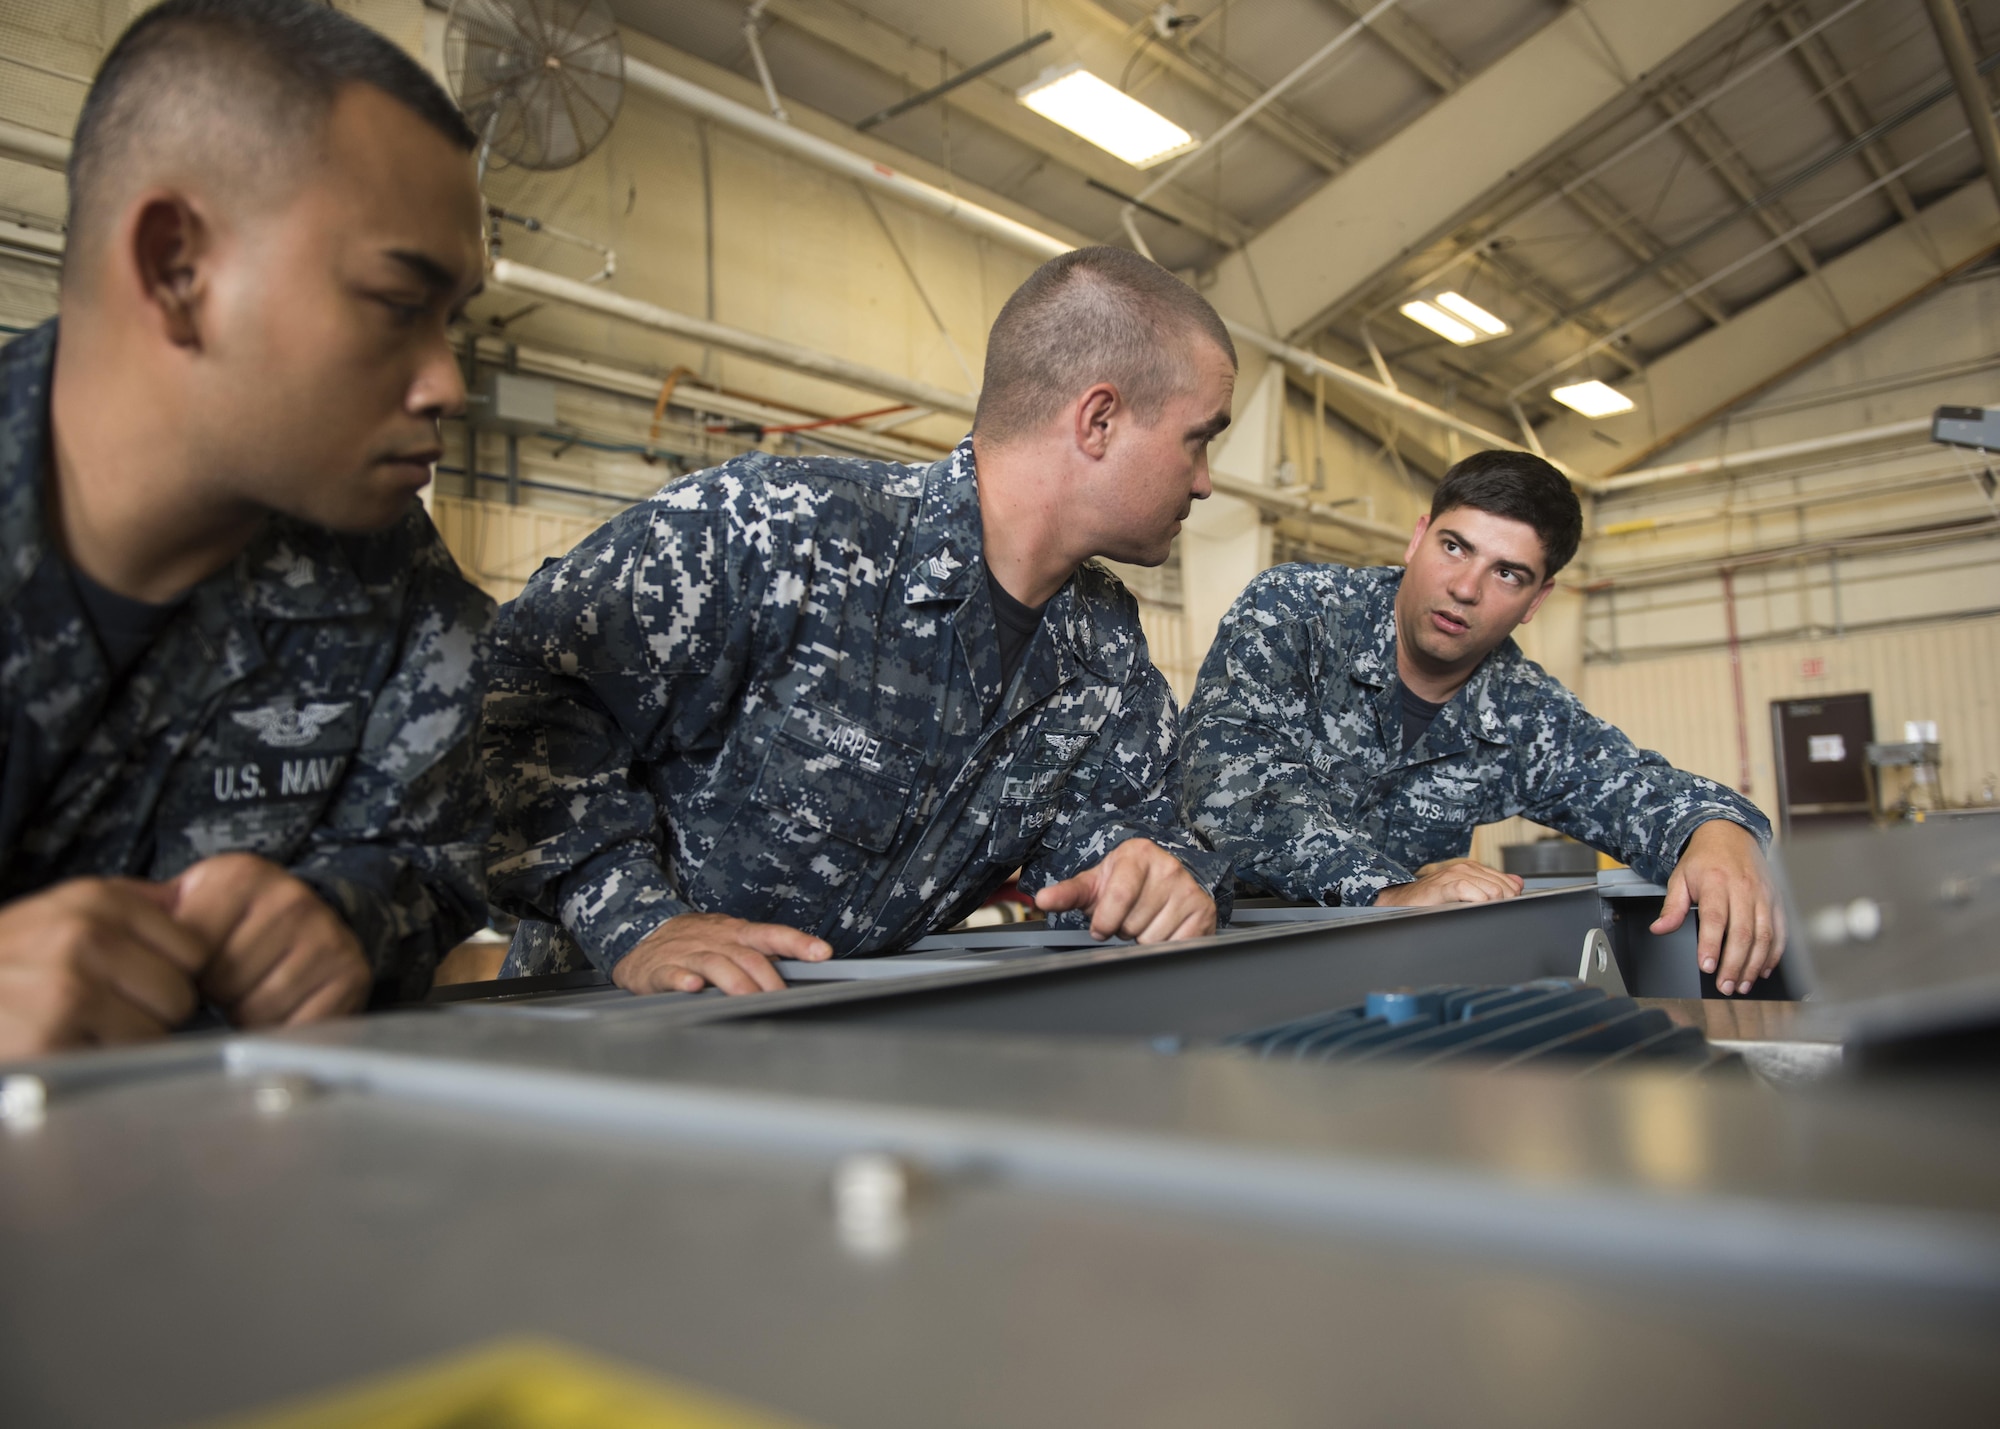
296	571
946	539
290	570
949	547
1374	663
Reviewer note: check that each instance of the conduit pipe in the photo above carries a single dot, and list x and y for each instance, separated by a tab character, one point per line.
32	146
1759	456
1286	503
534	282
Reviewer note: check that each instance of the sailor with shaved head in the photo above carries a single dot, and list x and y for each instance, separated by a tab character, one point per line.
813	707
239	673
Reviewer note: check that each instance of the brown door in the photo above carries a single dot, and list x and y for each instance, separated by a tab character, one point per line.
1821	746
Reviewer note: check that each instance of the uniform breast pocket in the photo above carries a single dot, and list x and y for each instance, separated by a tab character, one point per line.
1031	791
258	779
286	752
833	774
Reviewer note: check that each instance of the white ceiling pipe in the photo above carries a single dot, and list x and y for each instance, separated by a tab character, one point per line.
533	282
828	155
32	146
951	207
1758	456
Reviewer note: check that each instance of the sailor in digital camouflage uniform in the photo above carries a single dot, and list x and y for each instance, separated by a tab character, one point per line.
785	690
240	675
1351	728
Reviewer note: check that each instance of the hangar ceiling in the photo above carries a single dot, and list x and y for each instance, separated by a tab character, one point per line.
1617	181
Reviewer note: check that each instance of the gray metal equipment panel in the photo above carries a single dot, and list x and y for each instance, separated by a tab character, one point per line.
1098	1236
1211	989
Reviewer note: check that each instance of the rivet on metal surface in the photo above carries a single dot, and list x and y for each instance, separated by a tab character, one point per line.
24	1100
872	1192
1956	890
1864	919
275	1096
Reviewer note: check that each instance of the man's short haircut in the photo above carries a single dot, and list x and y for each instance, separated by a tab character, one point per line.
1092	315
1521	487
237	84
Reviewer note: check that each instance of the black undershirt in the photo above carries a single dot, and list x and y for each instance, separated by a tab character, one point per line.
1417	714
124	626
1016	624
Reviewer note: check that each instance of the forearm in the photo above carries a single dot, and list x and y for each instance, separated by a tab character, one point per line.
1646	823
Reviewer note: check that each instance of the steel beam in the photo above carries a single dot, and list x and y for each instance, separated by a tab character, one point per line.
1414	187
1707	375
1965	76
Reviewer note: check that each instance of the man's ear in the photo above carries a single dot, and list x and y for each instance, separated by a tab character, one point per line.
1540	596
168	254
1094	411
1417	538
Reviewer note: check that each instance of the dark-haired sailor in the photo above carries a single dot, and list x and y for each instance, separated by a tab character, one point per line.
803	707
239	673
1352	727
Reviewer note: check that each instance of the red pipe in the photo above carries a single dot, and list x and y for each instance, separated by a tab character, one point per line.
1736	679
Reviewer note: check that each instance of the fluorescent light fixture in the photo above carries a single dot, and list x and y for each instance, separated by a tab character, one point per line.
1109	118
1440	322
1463	308
1593	398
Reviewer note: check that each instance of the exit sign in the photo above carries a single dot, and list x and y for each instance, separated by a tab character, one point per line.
1813	667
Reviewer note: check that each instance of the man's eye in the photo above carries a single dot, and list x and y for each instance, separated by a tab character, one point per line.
404	313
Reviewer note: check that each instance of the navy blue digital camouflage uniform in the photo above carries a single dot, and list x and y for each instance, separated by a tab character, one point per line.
773	691
1295	767
315	702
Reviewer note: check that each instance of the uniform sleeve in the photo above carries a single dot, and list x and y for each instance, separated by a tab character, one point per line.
1126	790
1585	778
1251	788
609	661
400	853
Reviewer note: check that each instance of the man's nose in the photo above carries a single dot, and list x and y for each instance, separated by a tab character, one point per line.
1203	488
439	387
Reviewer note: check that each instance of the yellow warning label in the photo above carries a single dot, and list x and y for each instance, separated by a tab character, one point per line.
515	1384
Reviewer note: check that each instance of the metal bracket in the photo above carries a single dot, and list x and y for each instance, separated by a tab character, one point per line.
1599	967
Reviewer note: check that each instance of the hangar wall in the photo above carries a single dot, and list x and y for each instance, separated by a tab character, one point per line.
713	224
1875	568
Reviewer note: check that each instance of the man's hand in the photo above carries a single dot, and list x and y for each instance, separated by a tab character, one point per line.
1722	872
1456	880
94	961
282	956
1139	891
693	950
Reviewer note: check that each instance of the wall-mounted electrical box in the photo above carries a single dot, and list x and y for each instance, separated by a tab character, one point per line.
514	403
